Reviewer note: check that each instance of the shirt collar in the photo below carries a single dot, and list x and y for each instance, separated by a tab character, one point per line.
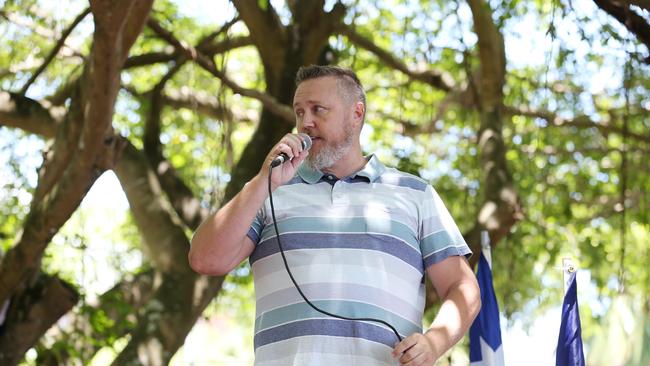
372	170
308	174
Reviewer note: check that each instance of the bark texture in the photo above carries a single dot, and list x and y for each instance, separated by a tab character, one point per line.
84	146
167	300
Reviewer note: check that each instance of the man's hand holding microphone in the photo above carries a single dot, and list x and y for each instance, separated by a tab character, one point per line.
286	155
229	226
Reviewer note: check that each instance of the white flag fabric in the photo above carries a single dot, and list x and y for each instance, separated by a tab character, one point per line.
485	346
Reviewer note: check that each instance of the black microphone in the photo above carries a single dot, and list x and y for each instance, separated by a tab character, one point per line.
283	158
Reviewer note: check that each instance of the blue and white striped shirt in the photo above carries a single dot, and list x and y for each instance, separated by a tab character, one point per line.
358	247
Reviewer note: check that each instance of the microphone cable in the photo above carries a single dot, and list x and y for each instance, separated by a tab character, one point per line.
286	266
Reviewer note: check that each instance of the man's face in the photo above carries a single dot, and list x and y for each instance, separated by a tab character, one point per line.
323	113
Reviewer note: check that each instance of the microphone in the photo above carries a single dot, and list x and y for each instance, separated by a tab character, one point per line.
283	158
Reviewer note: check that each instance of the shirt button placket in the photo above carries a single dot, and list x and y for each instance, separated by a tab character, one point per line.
337	192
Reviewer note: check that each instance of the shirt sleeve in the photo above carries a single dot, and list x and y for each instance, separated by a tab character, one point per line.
255	231
440	237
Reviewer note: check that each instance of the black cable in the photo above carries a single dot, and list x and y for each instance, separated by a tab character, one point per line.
286	266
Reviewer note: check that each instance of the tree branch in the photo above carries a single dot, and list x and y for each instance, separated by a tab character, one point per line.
579	122
182	294
33	310
152	212
501	207
546	150
196	101
223	29
55	50
181	196
438	80
311	16
408	127
205	45
117	305
85	144
266	30
634	22
150	58
210	49
29	115
281	110
225	45
643	4
491	53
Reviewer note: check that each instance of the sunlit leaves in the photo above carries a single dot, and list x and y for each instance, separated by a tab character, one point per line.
19	158
564	59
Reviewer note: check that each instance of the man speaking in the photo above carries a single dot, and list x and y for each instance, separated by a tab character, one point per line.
359	238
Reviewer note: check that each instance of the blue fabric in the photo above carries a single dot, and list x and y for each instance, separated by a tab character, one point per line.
569	343
486	325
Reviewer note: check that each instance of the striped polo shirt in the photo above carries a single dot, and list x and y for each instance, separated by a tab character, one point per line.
358	247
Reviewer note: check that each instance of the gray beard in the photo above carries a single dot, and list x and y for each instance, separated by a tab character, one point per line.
329	155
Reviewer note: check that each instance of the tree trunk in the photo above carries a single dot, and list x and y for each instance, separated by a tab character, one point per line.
113	317
32	311
180	295
501	208
300	43
84	147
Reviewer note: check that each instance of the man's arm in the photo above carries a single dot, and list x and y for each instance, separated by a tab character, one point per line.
221	242
456	285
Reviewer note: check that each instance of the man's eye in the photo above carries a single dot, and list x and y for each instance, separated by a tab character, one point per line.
319	109
299	113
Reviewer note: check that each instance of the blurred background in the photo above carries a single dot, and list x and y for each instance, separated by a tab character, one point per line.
123	124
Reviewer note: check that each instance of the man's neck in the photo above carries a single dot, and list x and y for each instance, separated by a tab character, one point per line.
348	165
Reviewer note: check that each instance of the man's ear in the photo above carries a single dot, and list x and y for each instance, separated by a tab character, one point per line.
358	113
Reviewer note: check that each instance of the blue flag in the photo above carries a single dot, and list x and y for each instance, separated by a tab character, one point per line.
485	347
569	344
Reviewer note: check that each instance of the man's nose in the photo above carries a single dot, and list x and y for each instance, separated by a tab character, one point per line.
307	120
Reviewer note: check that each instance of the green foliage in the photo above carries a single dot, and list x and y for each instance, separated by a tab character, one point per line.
237	297
17	169
569	177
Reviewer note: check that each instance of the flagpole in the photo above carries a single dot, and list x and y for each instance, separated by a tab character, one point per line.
569	350
568	268
485	246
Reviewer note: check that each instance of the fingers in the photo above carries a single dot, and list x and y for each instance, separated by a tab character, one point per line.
414	350
410	355
290	144
297	160
419	360
413	356
404	345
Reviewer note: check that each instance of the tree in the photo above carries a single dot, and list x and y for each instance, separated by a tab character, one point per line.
529	152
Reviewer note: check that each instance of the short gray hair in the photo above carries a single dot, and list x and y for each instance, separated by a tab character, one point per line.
348	80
